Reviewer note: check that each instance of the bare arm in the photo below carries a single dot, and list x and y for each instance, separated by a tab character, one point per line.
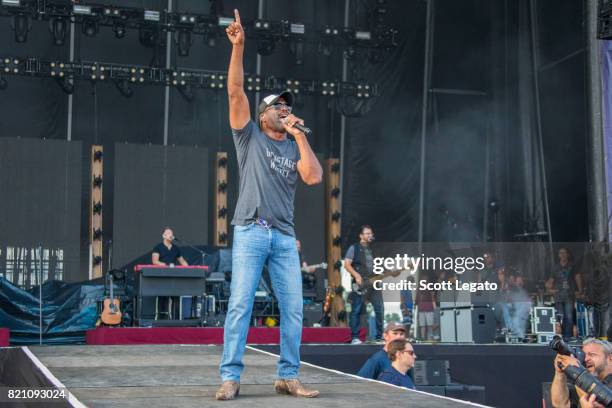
239	114
308	166
559	394
155	259
182	261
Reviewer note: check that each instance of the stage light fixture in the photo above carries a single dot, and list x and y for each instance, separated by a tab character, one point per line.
363	91
97	181
98	154
217	81
21	26
151	15
336	241
11	3
124	88
210	38
335	192
262	25
224	21
58	30
265	46
90	27
187	19
97	234
363	35
137	75
66	85
97	260
222	187
81	10
329	88
97	208
184	42
119	30
297	28
222	213
222	237
335	216
293	86
253	83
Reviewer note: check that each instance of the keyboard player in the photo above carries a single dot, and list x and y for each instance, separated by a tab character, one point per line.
166	253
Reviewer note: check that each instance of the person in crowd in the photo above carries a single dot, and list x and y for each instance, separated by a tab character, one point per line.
402	357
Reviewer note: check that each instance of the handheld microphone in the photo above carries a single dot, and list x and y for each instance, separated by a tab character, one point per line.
301	128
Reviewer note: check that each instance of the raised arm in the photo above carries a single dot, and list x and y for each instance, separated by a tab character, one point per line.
239	113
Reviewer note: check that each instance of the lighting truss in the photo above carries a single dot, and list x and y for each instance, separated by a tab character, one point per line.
201	24
178	77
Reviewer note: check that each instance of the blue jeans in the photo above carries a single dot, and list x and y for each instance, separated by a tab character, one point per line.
357	303
565	311
253	247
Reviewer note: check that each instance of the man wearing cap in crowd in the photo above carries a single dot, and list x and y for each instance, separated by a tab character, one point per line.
269	163
379	361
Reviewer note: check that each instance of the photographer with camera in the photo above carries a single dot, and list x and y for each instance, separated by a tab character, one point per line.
578	386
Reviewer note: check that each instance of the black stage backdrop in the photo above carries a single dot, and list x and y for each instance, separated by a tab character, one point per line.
158	186
40	181
309	220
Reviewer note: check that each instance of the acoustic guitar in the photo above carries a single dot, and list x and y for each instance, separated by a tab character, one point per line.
111	313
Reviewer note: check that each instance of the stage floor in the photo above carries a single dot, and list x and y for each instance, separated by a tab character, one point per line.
187	376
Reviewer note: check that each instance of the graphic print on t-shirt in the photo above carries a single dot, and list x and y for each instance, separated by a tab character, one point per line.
280	164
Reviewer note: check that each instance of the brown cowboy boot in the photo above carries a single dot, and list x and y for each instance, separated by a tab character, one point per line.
294	387
228	390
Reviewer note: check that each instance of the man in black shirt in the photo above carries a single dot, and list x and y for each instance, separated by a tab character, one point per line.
598	362
166	253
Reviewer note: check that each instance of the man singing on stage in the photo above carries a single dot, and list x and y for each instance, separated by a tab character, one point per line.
263	223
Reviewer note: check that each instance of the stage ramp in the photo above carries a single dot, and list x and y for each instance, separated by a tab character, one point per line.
154	376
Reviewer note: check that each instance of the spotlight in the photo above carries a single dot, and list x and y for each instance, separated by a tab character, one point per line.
65	84
222	213
265	46
335	192
90	28
148	36
222	162
118	274
97	260
184	42
225	21
21	25
119	30
97	181
151	15
97	208
494	206
58	30
97	234
124	88
11	3
210	38
98	154
336	241
222	237
335	216
335	168
222	187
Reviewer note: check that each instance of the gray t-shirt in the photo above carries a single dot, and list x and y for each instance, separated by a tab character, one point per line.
268	177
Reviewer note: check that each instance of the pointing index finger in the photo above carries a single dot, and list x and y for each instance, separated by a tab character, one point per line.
237	16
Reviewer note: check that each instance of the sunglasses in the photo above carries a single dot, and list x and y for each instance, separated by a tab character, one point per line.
279	106
411	352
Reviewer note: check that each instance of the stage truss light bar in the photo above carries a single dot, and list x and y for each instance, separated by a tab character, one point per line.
224	21
11	3
151	15
81	10
177	77
297	28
